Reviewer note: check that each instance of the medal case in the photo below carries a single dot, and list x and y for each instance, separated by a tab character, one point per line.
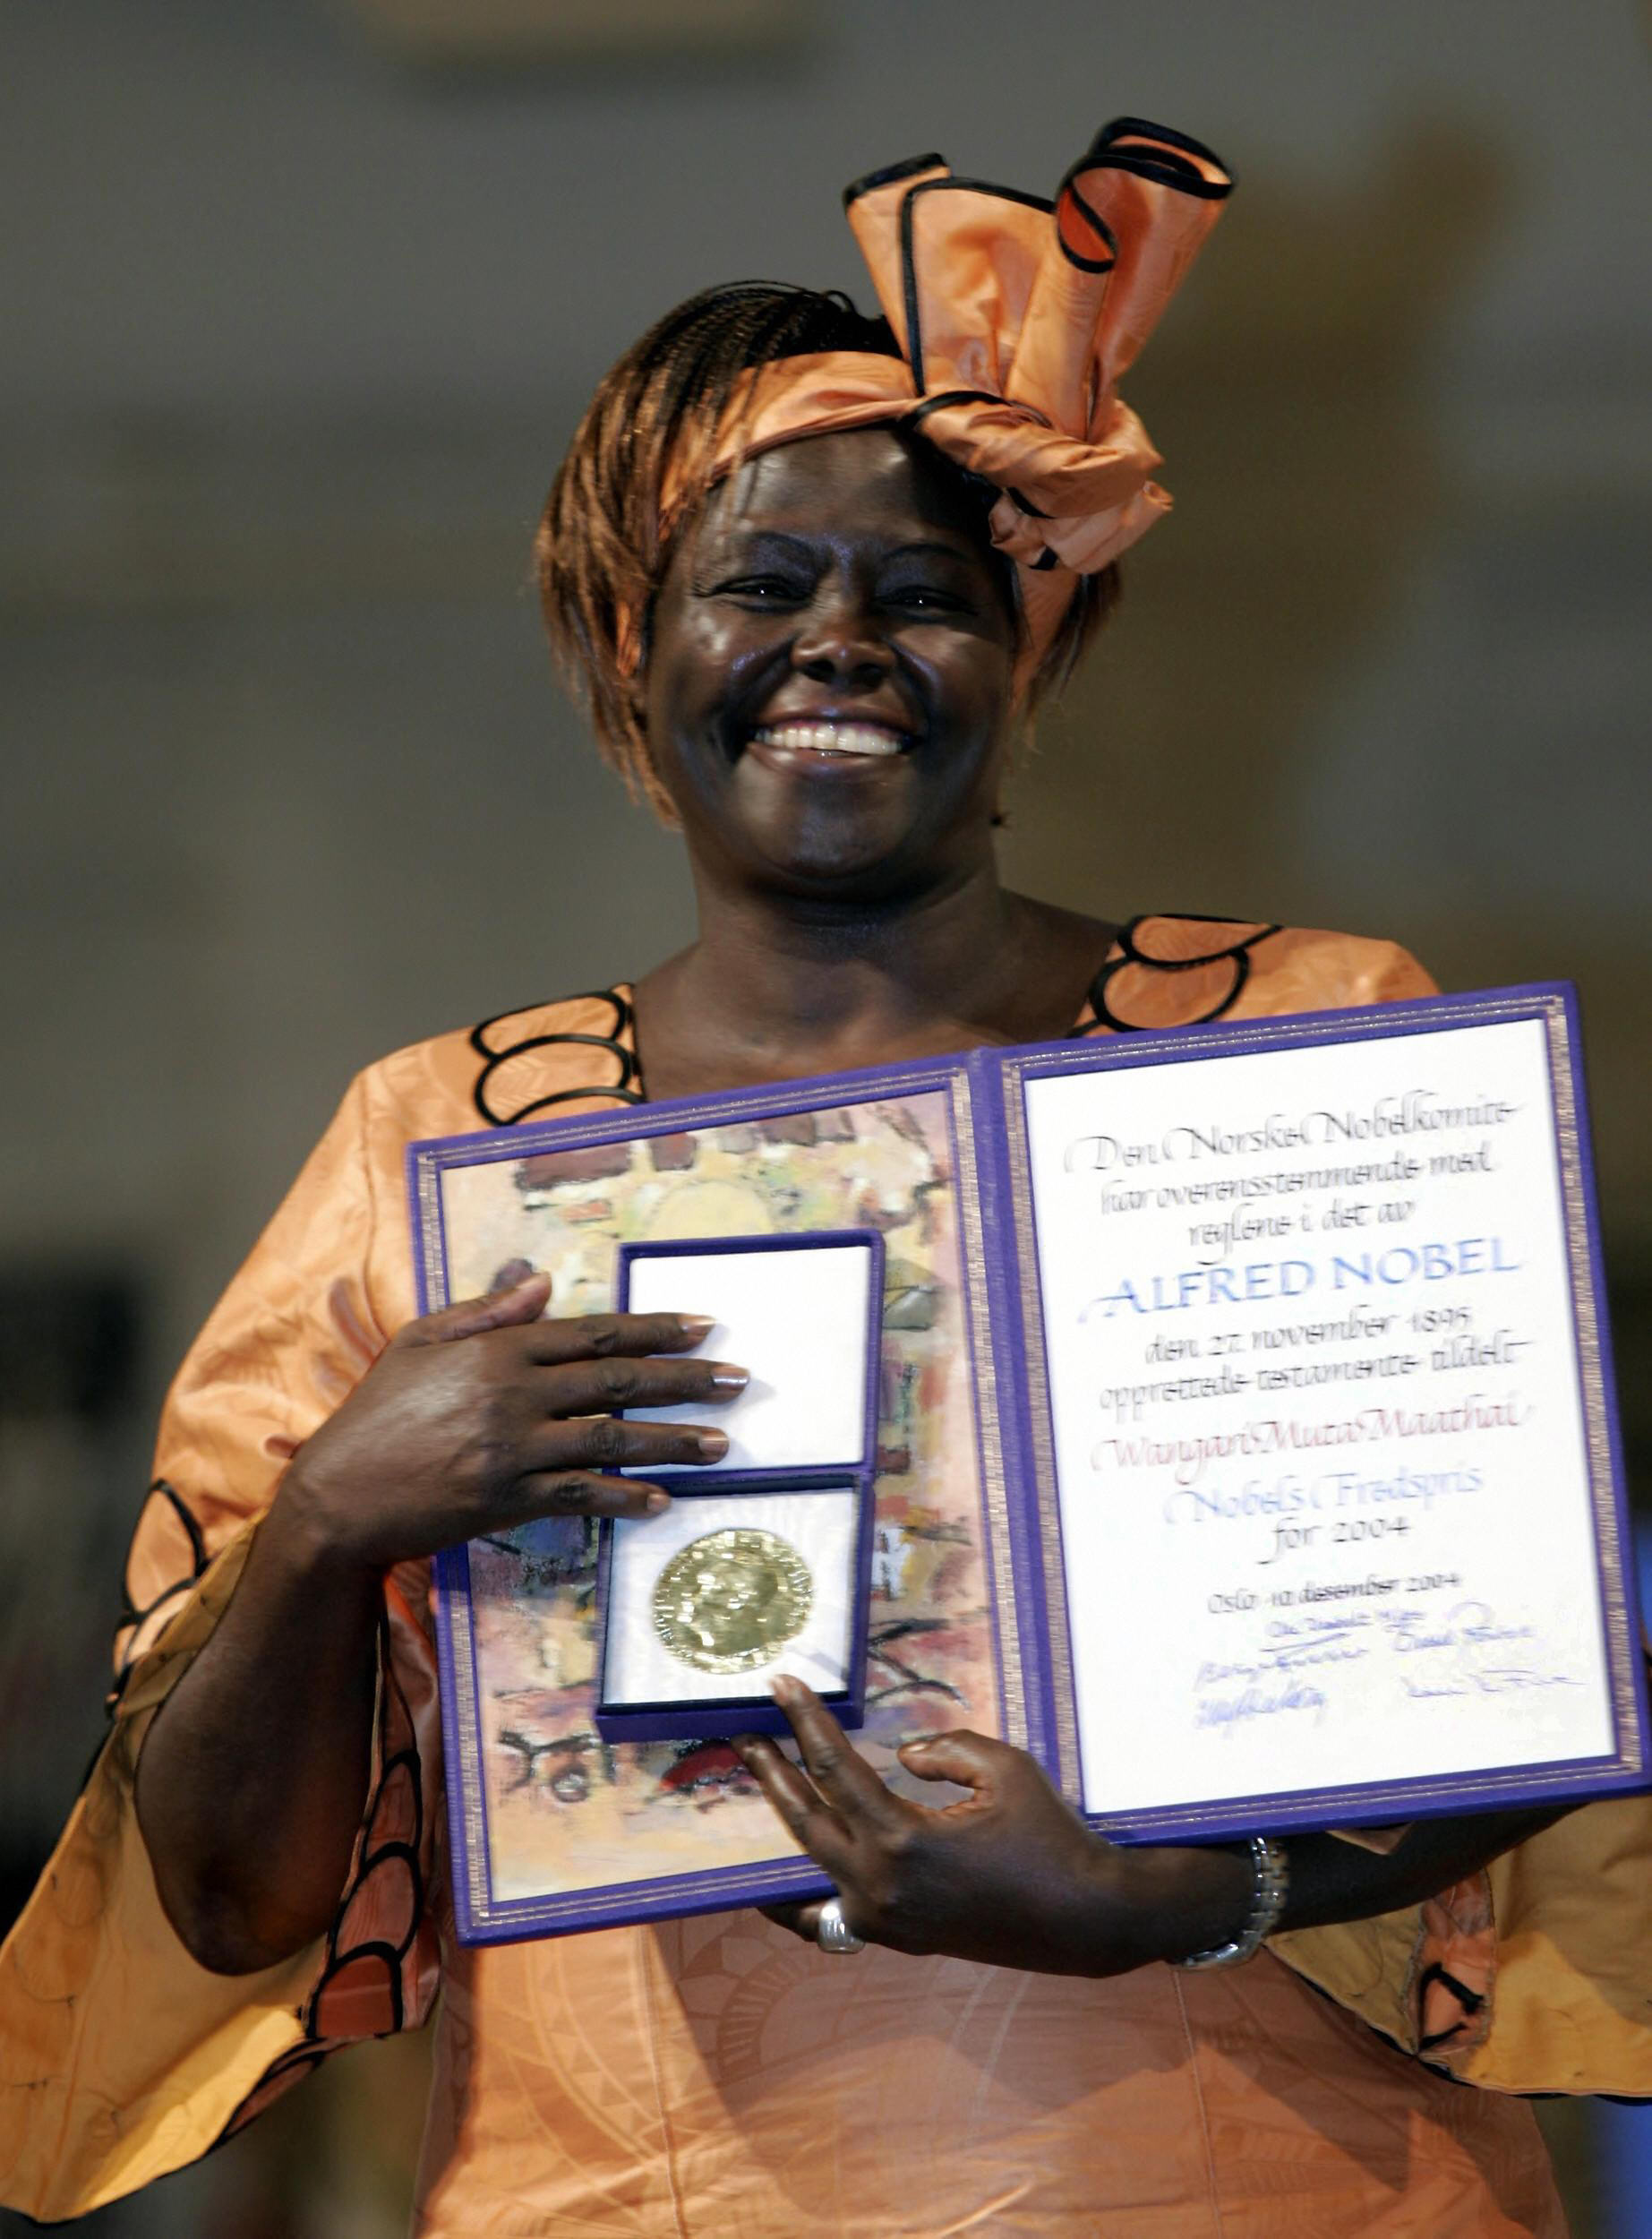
761	1563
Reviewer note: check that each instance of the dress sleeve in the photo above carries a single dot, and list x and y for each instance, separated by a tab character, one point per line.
1532	1976
120	2058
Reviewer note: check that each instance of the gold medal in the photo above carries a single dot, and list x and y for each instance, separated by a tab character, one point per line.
726	1603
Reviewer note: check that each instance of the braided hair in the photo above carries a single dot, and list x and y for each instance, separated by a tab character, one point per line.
601	554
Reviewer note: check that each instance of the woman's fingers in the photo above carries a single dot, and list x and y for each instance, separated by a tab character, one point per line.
564	1338
596	1387
834	1763
583	1493
959	1756
524	1422
523	1301
614	1442
604	1336
799	1804
587	1368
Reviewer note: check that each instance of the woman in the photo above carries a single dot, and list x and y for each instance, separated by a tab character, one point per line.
815	570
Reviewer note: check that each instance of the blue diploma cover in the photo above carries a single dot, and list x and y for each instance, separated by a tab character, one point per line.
1223	1415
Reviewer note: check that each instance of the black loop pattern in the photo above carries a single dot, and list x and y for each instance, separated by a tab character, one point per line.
493	1042
1237	953
133	1619
489	1043
1470	2000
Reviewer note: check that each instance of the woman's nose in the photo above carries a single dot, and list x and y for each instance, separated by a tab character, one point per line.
841	643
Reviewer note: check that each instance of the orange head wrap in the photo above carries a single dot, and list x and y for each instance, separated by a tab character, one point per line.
1015	317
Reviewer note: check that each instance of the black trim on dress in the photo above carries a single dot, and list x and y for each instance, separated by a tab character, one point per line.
131	1618
1237	953
1470	2000
496	1057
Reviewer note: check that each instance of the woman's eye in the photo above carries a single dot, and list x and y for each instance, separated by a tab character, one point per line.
763	590
928	599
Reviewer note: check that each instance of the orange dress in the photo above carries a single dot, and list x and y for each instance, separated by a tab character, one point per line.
715	2078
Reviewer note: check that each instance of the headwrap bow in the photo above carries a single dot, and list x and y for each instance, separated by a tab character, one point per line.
1015	317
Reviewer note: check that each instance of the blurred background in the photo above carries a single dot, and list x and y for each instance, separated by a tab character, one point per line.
300	301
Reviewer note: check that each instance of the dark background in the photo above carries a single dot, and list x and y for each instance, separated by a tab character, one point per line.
301	303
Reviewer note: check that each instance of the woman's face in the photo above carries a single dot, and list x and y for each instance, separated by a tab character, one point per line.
829	684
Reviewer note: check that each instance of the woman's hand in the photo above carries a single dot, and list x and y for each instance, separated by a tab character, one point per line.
469	1421
485	1416
1010	1876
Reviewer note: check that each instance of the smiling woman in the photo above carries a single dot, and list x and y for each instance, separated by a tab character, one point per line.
662	435
829	703
813	572
829	678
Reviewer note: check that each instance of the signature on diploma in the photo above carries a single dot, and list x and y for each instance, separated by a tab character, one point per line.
1258	1699
1288	1645
1469	1651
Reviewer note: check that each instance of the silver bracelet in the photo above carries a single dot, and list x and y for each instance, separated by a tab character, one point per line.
1270	1886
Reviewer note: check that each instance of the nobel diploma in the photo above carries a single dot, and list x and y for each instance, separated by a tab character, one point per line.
1314	1393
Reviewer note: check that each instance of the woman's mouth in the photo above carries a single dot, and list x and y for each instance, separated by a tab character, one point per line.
827	736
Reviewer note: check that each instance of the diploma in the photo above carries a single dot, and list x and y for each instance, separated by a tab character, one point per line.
1222	1415
1320	1389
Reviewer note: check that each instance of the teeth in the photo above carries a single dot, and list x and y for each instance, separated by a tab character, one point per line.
833	738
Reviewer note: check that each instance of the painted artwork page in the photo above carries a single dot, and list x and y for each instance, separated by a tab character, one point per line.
567	1812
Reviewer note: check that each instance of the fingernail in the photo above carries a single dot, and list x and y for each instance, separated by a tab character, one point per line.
783	1688
696	1325
657	1504
713	1444
726	1378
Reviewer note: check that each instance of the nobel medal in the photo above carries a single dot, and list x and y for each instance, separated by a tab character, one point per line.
728	1601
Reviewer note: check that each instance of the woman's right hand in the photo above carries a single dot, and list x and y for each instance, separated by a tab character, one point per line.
485	1416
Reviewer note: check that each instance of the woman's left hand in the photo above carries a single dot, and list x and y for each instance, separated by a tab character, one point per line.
1010	1876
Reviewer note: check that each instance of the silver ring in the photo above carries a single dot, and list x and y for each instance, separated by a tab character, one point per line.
833	1933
